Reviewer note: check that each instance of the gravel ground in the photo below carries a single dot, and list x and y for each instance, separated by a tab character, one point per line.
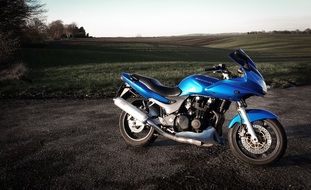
75	144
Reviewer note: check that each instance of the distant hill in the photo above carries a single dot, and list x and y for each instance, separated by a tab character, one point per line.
266	42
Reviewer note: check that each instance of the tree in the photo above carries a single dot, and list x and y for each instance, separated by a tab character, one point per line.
71	30
80	33
36	31
56	29
307	31
14	15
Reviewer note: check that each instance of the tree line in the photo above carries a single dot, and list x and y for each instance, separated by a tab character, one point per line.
306	31
38	31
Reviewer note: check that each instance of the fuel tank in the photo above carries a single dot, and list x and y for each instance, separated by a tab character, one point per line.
196	84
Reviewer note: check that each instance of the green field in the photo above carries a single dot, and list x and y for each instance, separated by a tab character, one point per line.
91	67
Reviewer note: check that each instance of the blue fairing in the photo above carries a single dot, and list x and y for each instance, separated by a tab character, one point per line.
233	89
142	89
253	115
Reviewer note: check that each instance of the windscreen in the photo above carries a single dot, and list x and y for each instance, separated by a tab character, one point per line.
244	60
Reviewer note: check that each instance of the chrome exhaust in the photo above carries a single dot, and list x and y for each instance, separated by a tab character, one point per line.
175	138
143	117
208	136
130	109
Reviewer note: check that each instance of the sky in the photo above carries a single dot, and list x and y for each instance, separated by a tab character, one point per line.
129	18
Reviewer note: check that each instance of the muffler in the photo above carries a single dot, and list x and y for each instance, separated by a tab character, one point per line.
130	109
143	117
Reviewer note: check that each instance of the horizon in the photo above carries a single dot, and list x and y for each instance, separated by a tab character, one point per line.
216	34
148	18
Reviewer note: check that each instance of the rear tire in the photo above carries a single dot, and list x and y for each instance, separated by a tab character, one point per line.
135	138
272	147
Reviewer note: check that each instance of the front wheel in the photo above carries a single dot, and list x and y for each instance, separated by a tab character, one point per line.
271	145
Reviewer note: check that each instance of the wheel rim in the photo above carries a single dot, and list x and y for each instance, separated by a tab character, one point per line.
268	141
135	125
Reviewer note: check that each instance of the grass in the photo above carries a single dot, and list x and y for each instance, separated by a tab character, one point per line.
91	68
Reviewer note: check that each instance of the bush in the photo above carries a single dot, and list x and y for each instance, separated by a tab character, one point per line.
16	71
8	49
10	65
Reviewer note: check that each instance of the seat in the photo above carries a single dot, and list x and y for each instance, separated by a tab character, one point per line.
156	86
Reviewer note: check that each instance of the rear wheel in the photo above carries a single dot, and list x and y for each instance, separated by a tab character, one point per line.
271	145
134	132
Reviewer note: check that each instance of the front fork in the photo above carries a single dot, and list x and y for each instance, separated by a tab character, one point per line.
241	110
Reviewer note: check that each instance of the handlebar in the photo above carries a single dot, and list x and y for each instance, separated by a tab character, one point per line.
209	69
220	67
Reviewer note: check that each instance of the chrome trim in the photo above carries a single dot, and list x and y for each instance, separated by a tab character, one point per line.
124	91
243	114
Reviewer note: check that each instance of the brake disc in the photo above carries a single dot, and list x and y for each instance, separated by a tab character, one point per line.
264	140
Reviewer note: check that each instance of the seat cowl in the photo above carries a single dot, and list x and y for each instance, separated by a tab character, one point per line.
156	86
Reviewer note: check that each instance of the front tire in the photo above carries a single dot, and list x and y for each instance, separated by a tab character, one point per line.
134	132
270	148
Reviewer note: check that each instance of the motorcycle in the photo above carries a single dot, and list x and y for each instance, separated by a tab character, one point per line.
194	112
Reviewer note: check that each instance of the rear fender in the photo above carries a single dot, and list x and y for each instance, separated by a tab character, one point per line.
253	115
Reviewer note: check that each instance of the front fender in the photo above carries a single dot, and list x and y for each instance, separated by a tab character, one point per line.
253	115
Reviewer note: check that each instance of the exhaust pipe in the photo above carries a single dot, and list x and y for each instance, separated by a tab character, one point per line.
143	117
175	138
130	109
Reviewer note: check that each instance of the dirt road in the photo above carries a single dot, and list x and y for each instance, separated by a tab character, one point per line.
75	144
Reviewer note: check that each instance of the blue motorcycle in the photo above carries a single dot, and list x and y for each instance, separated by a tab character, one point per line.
194	112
